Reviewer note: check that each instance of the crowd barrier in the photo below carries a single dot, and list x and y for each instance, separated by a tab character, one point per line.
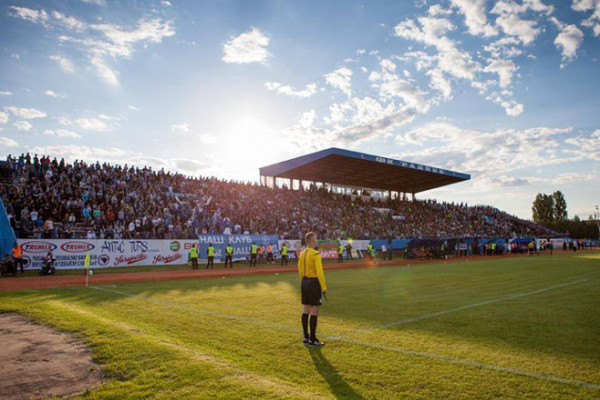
71	253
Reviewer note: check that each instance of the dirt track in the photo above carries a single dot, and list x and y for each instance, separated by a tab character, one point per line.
43	282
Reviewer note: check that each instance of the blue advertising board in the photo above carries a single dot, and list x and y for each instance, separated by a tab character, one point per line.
241	244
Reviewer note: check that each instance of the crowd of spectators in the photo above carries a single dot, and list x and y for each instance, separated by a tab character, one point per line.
48	198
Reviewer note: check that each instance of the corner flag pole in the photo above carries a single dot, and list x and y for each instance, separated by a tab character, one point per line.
86	264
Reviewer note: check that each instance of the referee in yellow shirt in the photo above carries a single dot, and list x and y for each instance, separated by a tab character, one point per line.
310	268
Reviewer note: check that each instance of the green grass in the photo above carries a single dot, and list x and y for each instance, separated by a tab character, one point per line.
238	337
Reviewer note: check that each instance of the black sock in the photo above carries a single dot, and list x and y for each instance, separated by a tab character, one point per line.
313	327
305	325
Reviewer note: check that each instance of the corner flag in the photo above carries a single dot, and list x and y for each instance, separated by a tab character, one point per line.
86	263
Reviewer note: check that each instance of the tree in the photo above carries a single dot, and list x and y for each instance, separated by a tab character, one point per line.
543	209
560	206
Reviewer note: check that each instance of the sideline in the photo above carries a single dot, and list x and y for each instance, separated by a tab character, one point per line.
46	282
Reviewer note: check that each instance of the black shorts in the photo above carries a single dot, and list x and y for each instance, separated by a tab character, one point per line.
311	291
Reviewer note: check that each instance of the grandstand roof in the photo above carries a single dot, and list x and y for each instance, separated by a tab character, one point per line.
353	169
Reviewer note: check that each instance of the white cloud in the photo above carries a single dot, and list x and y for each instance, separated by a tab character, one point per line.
15	56
3	117
166	3
64	63
568	40
26	113
63	133
5	93
95	2
104	71
391	86
436	10
360	51
4	141
475	17
64	121
308	91
91	124
341	79
68	21
52	93
28	14
491	153
133	108
594	20
73	152
23	125
183	127
513	25
431	32
249	47
511	106
505	47
307	119
208	139
438	81
505	70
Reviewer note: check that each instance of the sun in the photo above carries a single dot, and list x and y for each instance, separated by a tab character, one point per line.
250	143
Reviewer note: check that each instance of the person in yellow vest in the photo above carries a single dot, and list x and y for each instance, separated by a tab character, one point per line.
312	287
270	258
530	248
340	253
194	256
253	252
17	255
229	256
370	250
210	252
261	254
284	254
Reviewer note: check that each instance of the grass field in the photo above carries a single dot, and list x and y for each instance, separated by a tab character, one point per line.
526	327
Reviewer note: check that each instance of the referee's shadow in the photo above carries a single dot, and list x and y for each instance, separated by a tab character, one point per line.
339	388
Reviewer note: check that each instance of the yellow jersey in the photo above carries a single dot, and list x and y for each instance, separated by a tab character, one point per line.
311	266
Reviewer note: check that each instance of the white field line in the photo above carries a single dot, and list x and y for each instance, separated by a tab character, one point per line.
432	356
466	307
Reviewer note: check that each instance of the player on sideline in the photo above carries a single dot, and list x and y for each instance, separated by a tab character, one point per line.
310	268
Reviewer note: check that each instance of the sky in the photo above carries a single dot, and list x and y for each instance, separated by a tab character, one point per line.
507	91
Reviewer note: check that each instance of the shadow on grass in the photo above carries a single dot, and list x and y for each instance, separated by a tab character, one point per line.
339	387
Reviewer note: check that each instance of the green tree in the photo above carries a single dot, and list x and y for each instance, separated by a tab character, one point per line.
543	209
560	206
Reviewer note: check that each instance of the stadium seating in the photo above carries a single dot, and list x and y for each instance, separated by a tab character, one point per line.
54	199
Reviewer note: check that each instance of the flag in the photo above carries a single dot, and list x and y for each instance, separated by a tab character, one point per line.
86	263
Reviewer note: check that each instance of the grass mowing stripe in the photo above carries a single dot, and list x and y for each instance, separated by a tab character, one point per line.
432	356
466	307
273	385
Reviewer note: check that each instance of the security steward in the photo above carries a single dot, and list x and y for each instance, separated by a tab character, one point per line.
210	252
340	254
229	256
284	254
313	286
17	255
270	259
194	256
253	252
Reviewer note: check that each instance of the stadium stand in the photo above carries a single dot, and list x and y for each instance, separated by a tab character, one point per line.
48	198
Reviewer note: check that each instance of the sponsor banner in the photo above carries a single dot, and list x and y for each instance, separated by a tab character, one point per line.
70	253
329	248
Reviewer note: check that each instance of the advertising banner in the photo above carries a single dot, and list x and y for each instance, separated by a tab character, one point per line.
329	248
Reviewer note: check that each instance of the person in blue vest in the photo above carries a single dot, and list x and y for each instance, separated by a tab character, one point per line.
210	252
